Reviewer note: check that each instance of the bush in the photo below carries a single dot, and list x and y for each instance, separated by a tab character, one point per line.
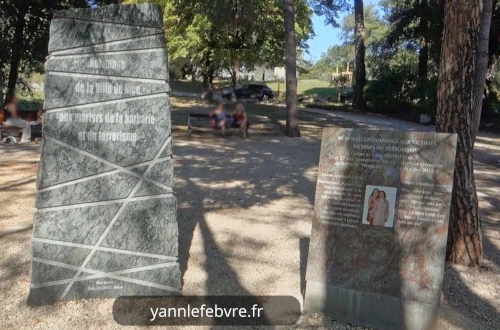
395	86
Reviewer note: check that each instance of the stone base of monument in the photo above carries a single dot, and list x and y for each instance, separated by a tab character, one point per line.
368	309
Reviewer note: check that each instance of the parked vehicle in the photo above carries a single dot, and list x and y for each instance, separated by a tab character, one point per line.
249	91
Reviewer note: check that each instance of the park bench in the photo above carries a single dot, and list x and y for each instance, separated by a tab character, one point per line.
199	119
6	130
10	131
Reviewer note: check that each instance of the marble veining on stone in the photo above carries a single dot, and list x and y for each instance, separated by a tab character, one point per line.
82	225
114	261
79	33
65	164
399	263
64	254
105	224
143	42
146	226
137	14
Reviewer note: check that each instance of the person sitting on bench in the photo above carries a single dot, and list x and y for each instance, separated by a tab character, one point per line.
39	116
219	118
240	119
11	117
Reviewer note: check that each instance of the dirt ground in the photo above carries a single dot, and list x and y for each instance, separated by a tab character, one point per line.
244	210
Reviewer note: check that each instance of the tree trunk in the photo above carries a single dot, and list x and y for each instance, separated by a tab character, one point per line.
1	90
423	59
205	80
211	77
359	100
193	74
205	71
292	113
464	61
17	46
494	53
235	75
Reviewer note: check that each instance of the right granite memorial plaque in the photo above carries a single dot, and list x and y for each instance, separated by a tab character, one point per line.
378	241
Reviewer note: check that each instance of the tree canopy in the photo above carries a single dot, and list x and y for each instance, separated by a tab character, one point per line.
24	35
229	34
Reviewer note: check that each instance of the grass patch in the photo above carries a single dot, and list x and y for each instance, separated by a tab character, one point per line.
309	87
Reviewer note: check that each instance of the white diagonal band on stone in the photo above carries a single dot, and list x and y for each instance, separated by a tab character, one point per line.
117	52
109	43
96	273
111	164
93	104
101	175
114	201
105	249
111	223
91	75
160	30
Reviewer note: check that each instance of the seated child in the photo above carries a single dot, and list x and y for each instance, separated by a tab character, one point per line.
219	117
240	119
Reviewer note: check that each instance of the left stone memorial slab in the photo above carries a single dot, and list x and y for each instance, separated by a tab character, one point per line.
105	222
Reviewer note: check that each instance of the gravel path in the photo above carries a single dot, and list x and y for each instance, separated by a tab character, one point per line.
244	210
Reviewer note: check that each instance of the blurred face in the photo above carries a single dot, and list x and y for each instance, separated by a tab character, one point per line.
381	195
14	100
375	192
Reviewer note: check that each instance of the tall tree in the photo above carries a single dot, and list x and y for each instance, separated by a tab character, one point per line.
460	95
17	43
292	113
375	30
24	33
360	73
229	34
418	24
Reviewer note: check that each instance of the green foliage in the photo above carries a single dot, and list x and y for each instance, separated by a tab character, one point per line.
342	56
330	9
395	87
413	21
228	34
35	34
338	56
375	28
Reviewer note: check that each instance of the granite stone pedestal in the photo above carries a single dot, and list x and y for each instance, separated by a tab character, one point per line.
379	233
105	222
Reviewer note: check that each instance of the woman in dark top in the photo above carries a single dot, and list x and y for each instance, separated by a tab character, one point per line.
11	117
